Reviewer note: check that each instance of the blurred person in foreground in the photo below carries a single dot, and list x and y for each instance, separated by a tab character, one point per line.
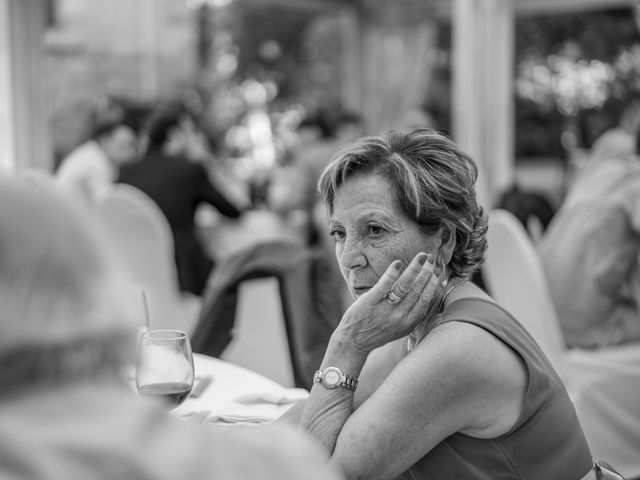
93	166
426	376
178	185
590	254
66	411
619	141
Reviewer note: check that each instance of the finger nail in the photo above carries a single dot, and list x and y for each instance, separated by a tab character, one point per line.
431	257
397	264
422	258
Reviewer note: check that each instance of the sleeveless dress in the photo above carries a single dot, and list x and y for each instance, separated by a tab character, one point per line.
546	442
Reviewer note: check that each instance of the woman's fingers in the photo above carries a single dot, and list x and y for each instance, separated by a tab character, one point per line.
417	289
387	279
393	306
396	287
425	297
415	285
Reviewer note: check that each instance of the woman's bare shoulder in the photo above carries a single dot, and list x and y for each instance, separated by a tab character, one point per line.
491	373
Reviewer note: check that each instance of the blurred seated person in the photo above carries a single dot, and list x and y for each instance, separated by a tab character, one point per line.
590	255
619	141
178	185
532	208
66	336
426	376
93	166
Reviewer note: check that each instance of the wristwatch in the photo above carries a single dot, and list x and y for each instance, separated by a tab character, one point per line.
332	377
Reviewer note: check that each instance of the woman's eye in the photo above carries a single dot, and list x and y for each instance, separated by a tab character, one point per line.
336	234
375	230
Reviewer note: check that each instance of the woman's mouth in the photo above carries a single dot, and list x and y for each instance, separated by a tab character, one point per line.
357	291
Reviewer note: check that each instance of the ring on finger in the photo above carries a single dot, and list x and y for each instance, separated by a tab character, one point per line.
392	298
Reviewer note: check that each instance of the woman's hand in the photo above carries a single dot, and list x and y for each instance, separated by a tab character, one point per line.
377	318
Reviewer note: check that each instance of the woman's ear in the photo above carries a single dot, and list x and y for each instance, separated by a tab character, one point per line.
448	244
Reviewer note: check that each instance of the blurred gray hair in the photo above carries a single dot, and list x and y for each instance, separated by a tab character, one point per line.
60	286
433	181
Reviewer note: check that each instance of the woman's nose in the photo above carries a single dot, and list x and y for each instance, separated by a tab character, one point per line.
352	255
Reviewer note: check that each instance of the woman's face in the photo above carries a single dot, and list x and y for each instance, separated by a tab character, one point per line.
371	230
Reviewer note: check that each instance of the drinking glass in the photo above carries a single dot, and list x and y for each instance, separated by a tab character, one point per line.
165	366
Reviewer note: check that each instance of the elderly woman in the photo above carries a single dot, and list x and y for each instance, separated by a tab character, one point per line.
426	376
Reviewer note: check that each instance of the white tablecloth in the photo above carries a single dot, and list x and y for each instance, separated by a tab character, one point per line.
236	395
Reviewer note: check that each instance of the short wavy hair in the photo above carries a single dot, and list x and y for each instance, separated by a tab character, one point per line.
434	183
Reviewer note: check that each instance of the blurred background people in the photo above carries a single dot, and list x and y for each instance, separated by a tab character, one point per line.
293	189
93	166
66	337
178	185
590	254
620	140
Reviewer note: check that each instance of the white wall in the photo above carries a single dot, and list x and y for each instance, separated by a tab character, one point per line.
24	120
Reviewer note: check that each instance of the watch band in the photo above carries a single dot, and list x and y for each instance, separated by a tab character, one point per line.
333	377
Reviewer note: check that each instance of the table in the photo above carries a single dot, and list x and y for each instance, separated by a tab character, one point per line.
236	395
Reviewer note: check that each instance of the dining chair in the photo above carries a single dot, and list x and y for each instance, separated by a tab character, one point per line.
142	238
260	340
604	384
266	301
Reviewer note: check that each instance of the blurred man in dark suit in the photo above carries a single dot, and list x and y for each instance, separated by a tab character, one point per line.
178	185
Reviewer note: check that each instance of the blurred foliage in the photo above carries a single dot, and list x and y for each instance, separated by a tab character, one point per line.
293	54
573	74
573	71
269	43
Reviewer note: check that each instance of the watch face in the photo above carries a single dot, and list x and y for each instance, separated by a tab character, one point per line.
331	377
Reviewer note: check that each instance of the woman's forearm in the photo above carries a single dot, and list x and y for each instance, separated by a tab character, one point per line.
326	410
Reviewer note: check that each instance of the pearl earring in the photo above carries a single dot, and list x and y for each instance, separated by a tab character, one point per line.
445	280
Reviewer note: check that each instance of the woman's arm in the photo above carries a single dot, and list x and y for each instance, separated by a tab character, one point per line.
293	415
379	364
368	324
459	379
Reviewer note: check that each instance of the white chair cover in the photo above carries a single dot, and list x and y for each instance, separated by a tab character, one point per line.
142	237
604	384
260	341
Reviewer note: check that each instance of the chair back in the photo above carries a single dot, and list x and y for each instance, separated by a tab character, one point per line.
269	300
260	339
142	238
514	277
604	384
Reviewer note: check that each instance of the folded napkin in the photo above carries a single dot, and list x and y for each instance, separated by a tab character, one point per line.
290	395
251	409
226	420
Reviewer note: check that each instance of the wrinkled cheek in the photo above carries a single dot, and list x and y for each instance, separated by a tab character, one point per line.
337	250
395	251
343	270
